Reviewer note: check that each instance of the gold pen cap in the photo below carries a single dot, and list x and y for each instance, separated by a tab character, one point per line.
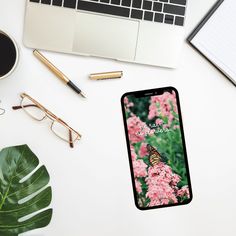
106	75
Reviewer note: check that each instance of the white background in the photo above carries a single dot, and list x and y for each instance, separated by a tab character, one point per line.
92	192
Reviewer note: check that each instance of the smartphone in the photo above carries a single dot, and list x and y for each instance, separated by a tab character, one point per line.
156	148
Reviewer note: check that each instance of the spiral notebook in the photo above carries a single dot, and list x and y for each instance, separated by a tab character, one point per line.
215	37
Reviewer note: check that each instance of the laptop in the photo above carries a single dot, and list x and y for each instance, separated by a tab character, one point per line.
140	31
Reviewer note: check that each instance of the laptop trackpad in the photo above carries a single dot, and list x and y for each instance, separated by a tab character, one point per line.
105	36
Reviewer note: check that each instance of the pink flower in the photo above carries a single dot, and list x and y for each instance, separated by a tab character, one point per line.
126	100
140	168
133	154
159	122
143	150
171	117
128	104
138	186
175	179
176	127
163	106
162	185
137	129
166	126
153	112
184	192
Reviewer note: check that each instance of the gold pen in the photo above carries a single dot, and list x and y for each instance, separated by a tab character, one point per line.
57	72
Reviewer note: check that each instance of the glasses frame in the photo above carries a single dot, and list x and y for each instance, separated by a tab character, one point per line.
49	115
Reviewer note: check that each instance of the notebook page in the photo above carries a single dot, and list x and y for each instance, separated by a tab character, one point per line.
217	38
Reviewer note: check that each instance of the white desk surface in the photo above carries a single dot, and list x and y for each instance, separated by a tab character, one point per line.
92	192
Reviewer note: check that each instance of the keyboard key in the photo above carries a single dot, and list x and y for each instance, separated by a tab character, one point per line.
137	14
159	17
179	20
46	2
57	3
102	8
70	3
137	3
180	2
157	6
126	3
169	19
150	10
117	2
148	15
174	9
147	5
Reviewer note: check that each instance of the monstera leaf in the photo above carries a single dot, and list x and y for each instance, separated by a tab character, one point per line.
23	192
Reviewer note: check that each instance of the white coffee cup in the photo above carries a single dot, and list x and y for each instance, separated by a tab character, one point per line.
4	37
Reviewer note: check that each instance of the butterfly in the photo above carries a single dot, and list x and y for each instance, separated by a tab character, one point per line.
154	156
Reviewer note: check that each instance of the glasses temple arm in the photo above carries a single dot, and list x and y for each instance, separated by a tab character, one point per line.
70	139
20	107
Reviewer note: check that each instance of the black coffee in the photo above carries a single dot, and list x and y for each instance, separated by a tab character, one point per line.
7	54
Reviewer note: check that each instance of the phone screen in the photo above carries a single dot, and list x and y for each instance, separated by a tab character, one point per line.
156	147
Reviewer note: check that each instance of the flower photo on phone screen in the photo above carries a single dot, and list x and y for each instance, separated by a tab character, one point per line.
157	151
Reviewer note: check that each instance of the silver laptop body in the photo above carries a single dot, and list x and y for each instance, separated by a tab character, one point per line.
139	31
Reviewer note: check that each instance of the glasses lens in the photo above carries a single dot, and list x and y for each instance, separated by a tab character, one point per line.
32	109
63	132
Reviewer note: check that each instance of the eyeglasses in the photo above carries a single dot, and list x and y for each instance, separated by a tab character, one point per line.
38	112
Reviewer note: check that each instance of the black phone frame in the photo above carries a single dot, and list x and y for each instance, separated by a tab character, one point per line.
154	92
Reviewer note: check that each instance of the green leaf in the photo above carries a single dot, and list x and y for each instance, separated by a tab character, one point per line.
22	192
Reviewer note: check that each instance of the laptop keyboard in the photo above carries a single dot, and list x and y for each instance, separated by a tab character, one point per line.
162	11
